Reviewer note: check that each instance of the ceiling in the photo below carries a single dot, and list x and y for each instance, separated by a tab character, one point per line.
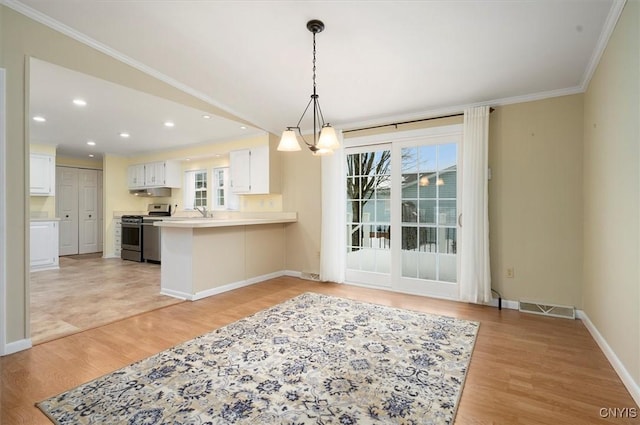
110	110
377	61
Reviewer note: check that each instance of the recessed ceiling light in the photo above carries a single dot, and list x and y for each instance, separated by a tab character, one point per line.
188	159
38	118
91	155
206	117
242	127
79	102
124	135
169	124
91	143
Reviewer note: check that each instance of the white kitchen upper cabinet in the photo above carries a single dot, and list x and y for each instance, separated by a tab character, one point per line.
240	170
42	175
43	245
135	177
251	171
155	174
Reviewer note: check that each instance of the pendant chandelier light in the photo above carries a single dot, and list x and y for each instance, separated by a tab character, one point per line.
324	136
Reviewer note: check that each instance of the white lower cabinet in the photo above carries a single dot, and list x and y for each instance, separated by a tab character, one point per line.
44	244
117	237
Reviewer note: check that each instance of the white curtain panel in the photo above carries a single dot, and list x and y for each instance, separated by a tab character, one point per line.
333	230
475	273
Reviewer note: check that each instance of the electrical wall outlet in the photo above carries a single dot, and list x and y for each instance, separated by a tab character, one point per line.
510	272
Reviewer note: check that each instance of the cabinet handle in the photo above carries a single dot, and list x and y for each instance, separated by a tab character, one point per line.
66	216
89	215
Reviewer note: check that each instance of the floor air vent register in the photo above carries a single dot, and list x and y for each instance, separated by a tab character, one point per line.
563	311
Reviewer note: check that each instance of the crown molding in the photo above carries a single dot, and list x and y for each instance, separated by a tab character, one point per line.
605	35
457	109
103	48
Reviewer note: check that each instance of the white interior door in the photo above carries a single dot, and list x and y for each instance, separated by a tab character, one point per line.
88	210
67	209
100	211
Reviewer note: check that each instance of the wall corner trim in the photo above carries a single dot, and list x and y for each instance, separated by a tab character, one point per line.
605	35
623	373
14	347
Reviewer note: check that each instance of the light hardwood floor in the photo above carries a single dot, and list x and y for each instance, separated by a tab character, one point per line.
89	291
525	369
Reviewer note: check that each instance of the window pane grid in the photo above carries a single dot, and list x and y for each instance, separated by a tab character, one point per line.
369	211
429	211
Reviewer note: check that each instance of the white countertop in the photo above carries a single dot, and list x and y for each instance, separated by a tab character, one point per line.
44	219
189	222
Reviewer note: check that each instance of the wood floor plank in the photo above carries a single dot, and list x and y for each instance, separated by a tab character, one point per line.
525	369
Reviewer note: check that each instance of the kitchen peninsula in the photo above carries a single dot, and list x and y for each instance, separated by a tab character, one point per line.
206	256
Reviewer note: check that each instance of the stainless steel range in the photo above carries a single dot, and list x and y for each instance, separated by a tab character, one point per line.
140	238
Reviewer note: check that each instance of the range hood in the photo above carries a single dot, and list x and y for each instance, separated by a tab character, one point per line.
152	192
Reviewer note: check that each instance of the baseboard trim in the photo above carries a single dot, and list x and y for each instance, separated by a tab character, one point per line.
291	273
42	269
235	285
175	294
14	347
508	304
623	373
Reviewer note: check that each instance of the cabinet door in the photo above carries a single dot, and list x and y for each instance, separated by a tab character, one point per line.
259	170
159	174
44	244
240	170
154	174
136	176
42	175
117	237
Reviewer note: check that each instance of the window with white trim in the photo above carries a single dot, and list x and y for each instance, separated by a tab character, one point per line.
220	184
195	189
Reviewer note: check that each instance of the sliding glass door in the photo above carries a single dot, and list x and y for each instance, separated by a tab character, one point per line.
402	214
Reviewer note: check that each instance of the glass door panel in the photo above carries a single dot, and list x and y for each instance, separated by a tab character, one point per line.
369	216
429	212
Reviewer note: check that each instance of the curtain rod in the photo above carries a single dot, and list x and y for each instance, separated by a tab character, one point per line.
396	124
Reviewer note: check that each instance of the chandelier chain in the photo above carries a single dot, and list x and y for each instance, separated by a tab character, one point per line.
314	63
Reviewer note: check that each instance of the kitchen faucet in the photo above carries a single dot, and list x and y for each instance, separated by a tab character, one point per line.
202	210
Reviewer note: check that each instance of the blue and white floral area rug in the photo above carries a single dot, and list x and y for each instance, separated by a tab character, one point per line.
314	359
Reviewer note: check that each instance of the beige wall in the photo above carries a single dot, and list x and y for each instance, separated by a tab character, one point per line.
535	200
611	193
301	192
